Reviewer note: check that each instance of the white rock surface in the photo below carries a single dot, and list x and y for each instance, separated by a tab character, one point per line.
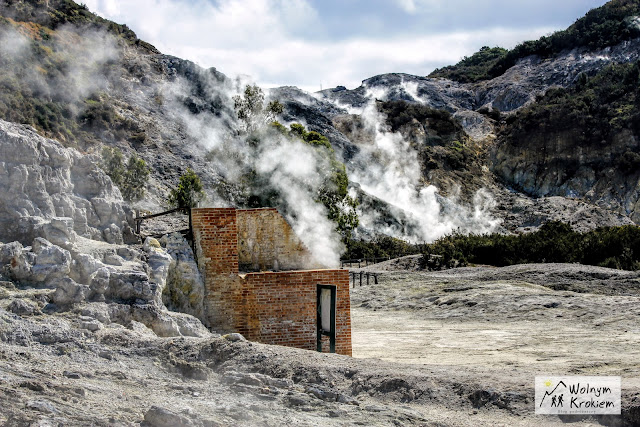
69	292
159	262
184	290
51	262
47	190
63	205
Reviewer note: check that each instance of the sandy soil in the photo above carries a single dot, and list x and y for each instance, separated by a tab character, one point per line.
504	324
455	348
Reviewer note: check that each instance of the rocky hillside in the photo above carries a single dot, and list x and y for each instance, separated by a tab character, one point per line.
85	82
553	117
473	147
99	326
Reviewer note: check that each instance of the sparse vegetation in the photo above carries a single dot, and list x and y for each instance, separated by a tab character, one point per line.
251	110
445	145
39	83
132	179
614	247
62	12
595	112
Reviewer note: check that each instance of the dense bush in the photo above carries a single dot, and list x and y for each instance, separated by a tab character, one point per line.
616	247
474	68
189	191
605	26
379	247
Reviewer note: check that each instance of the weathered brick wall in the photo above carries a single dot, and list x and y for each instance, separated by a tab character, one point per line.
267	242
268	307
216	236
285	306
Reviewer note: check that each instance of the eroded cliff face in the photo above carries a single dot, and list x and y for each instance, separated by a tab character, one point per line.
552	164
533	166
56	193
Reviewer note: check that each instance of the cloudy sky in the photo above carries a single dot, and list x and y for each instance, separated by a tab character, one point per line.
314	43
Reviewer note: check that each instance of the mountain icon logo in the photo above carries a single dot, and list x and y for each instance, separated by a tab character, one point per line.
555	400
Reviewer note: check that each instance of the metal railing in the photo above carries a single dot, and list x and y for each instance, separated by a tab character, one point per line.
362	261
361	274
139	219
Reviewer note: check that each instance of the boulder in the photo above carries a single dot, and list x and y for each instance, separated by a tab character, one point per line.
84	266
159	262
99	283
17	260
23	307
161	417
52	262
131	286
69	292
59	231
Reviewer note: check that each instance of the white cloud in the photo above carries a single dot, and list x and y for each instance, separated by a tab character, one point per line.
275	41
407	5
309	64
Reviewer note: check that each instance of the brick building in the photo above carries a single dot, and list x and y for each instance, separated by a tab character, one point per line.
258	282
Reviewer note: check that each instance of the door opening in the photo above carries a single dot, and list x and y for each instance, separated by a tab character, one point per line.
326	306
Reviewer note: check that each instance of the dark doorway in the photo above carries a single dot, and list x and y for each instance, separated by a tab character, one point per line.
326	306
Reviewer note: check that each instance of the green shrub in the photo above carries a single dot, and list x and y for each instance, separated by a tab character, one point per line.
135	179
381	246
112	164
601	27
251	111
189	191
132	179
616	247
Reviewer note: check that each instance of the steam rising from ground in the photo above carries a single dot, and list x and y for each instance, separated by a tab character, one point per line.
68	66
291	167
295	170
388	168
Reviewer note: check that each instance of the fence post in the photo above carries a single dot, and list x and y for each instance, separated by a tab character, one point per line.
361	273
368	274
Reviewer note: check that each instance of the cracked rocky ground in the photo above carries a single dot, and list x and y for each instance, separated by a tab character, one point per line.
459	347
